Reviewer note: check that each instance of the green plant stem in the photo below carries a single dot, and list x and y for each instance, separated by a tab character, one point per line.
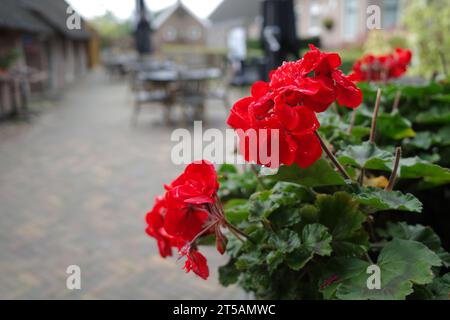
268	225
352	122
373	128
333	159
368	258
393	177
371	230
398	96
258	178
238	233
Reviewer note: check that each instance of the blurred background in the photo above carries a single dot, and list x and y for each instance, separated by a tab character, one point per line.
90	92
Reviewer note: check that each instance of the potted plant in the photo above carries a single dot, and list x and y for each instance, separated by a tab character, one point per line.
326	220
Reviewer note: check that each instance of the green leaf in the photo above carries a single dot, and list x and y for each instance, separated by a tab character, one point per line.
228	274
402	263
340	214
315	240
319	174
418	233
366	155
441	98
260	206
286	217
432	174
394	126
226	168
282	244
236	210
274	259
290	194
435	115
285	241
440	287
283	194
236	185
343	270
380	200
442	135
249	260
422	140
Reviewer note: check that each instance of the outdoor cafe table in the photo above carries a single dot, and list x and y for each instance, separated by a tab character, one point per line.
173	75
185	86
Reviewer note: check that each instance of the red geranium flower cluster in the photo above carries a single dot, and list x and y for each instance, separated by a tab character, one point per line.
382	67
189	210
288	102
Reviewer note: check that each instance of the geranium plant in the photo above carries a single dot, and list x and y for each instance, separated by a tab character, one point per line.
315	224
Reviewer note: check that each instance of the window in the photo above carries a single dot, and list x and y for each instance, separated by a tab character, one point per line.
315	11
170	34
195	33
390	13
350	24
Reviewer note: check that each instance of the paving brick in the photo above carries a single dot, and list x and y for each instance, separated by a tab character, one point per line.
75	184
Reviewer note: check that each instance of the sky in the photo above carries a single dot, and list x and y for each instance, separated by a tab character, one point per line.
123	9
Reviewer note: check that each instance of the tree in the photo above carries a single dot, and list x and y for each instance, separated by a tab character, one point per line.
429	21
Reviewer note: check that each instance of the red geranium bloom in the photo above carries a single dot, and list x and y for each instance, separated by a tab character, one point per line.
187	198
195	262
189	211
317	81
264	112
155	228
382	67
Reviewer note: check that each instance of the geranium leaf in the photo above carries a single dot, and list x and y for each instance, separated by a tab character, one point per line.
340	214
366	155
434	115
380	200
394	126
315	240
432	174
319	174
236	185
418	233
236	210
286	217
285	241
228	274
282	195
402	263
440	287
422	140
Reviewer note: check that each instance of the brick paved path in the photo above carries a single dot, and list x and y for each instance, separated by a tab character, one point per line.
75	184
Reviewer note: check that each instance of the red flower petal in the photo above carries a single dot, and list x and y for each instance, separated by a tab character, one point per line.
259	89
348	94
309	150
185	223
197	263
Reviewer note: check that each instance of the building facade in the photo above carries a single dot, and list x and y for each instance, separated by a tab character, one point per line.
344	22
177	25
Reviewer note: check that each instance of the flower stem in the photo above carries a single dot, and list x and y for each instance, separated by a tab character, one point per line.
258	178
398	96
238	233
393	177
352	122
374	117
333	159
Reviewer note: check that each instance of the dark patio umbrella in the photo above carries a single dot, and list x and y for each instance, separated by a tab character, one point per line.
143	30
279	33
